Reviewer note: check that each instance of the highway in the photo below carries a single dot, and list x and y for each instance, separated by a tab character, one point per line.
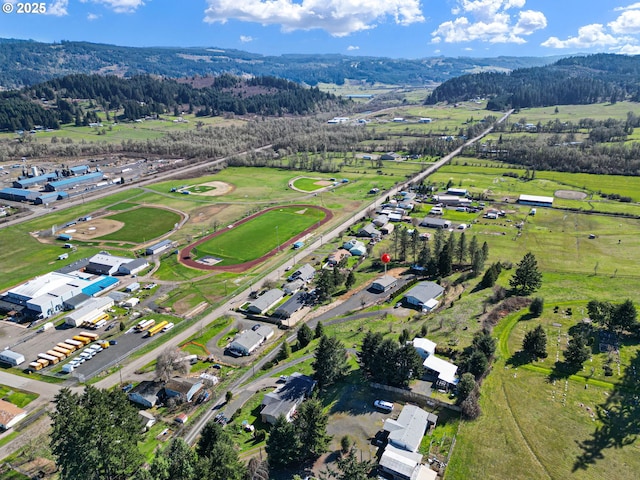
128	371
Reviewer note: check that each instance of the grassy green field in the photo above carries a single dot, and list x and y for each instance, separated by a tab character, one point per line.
16	396
260	235
307	184
142	224
200	188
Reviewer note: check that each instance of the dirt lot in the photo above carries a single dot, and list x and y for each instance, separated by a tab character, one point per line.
220	188
570	194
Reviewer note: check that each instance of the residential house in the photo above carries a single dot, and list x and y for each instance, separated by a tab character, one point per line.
336	257
291	306
443	370
384	283
292	287
424	295
381	220
285	399
434	222
369	231
145	393
147	420
182	390
306	273
10	415
387	229
249	340
265	301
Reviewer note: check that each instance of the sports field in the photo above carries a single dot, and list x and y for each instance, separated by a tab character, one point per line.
311	184
260	235
143	224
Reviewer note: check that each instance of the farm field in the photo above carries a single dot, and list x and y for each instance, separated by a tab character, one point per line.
142	224
260	235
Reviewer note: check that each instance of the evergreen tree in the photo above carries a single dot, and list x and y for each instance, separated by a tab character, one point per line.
370	344
304	336
527	278
283	445
350	468
350	281
577	351
95	435
624	316
490	276
537	306
180	461
445	262
415	244
325	285
438	242
330	363
466	385
424	255
285	351
311	424
404	243
477	363
484	342
461	249
319	330
535	342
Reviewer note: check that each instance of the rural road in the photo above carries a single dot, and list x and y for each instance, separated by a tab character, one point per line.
128	371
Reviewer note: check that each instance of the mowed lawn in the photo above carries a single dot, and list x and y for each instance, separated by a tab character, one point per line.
260	235
308	184
142	224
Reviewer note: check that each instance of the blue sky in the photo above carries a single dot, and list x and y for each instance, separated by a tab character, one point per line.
391	28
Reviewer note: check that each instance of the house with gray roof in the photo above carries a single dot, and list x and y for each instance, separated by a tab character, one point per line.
249	340
384	283
285	399
291	306
265	301
292	287
369	231
306	272
435	222
145	393
424	295
183	390
407	431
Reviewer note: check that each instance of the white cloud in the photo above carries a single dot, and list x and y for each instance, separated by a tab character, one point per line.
633	6
121	6
351	48
92	16
489	21
627	22
589	36
629	49
246	38
337	17
58	8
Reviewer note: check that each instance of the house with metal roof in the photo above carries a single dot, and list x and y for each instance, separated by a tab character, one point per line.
445	371
291	306
407	431
384	283
246	343
183	390
285	399
292	287
424	346
265	301
424	295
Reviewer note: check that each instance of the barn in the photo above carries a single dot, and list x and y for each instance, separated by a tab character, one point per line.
535	200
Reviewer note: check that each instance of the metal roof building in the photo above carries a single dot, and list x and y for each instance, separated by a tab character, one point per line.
133	267
422	294
384	283
18	195
72	182
32	181
79	170
536	200
291	306
159	247
407	431
105	264
43	198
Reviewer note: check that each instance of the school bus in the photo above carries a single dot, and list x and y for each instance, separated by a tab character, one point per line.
157	328
35	366
80	338
68	346
92	336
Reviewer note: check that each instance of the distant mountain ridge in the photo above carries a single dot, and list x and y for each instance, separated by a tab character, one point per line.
27	62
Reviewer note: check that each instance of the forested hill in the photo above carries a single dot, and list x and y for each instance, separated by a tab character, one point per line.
25	63
574	80
75	98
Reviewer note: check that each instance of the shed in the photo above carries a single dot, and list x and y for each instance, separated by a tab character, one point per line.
461	192
10	414
182	418
132	287
384	283
424	346
387	229
147	419
12	358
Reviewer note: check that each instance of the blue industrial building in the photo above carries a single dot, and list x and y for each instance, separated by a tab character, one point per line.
18	195
79	170
71	182
31	181
44	198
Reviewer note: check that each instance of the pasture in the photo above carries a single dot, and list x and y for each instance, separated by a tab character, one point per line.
260	235
142	224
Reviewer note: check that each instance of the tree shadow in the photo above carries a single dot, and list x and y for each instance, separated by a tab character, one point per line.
519	358
619	417
563	370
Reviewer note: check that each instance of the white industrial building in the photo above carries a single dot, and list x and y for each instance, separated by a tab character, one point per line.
45	296
91	310
159	247
133	267
105	264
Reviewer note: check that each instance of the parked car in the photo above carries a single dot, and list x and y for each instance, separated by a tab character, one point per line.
255	327
383	405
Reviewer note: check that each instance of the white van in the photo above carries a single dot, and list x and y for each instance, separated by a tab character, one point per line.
383	405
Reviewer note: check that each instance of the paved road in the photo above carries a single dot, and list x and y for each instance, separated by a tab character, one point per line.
128	371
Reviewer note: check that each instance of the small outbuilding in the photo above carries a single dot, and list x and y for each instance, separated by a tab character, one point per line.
12	358
159	247
10	415
369	231
145	393
384	283
133	267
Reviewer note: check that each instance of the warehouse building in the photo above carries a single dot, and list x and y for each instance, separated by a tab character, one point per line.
72	182
105	264
79	170
535	200
44	198
91	310
28	182
159	247
18	195
133	267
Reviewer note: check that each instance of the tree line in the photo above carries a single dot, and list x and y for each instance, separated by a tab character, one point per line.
569	81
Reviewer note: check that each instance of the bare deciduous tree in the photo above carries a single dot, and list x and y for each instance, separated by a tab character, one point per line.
170	362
